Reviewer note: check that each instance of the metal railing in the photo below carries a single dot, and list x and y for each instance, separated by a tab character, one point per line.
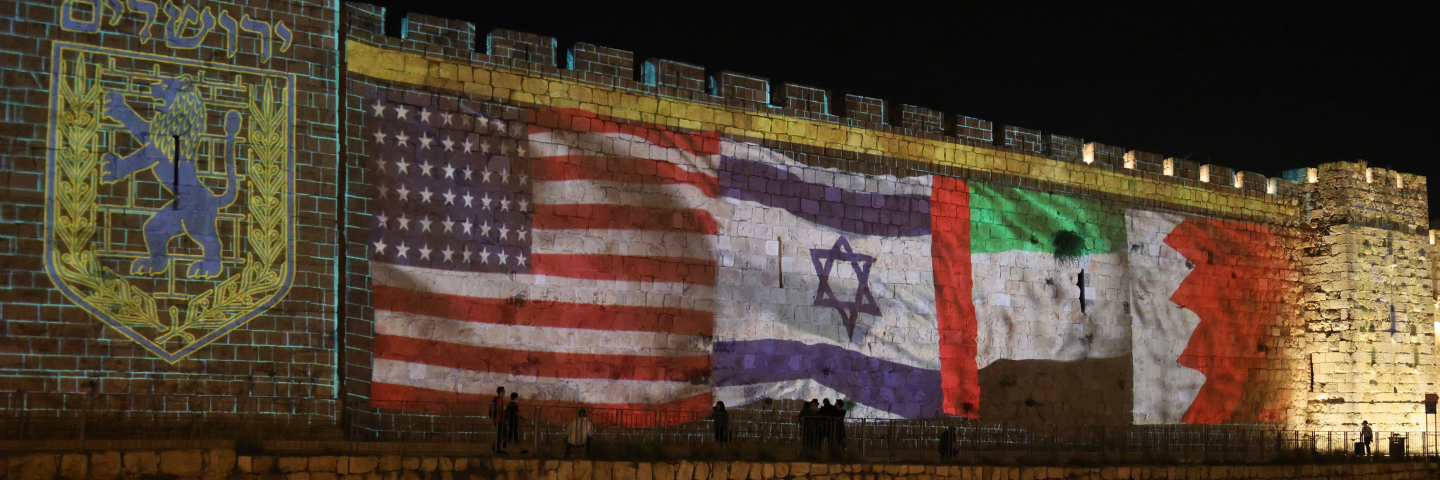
748	434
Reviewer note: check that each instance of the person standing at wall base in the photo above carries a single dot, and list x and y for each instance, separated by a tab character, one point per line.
577	434
1366	435
837	428
512	418
947	444
721	419
497	417
806	420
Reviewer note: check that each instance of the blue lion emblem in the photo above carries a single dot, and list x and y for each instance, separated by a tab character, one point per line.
180	114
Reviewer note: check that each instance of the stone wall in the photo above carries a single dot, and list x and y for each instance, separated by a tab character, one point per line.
225	465
103	292
1369	304
408	223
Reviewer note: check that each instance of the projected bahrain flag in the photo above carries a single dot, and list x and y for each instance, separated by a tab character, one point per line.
581	261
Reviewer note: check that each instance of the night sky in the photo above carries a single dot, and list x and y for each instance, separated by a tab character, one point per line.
1264	88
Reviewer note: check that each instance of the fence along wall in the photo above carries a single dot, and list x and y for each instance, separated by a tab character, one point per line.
126	275
585	238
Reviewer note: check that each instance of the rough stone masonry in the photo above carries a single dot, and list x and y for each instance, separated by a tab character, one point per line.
224	464
274	208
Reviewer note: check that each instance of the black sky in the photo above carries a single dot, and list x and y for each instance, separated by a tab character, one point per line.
1265	87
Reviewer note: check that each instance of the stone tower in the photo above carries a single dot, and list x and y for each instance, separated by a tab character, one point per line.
1369	301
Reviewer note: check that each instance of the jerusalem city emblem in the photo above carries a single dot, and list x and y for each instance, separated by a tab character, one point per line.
169	209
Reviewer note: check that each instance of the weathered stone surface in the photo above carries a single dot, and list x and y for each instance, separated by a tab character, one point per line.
584	469
413	463
359	465
643	471
664	471
293	464
41	466
74	465
324	476
739	470
429	464
624	471
141	463
182	463
265	464
390	463
702	470
220	460
105	465
322	464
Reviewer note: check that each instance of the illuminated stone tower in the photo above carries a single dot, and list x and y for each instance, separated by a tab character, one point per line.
1369	301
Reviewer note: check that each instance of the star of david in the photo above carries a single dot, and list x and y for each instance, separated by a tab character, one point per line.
863	302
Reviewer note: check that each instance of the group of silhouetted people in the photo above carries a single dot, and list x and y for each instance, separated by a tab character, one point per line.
819	423
506	417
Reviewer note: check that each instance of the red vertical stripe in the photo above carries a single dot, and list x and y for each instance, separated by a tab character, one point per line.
950	251
1238	289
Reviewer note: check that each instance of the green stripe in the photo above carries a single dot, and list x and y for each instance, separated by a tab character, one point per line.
1006	218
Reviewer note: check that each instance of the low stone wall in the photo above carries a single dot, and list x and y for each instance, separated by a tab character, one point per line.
218	464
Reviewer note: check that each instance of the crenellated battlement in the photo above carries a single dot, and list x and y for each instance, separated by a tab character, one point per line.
612	67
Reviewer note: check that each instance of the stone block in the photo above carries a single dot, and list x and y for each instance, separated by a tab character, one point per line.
411	464
429	464
390	463
782	470
720	470
624	471
322	464
360	465
40	466
297	476
739	470
105	465
293	464
584	470
141	463
799	469
603	470
182	463
324	476
74	466
263	465
342	465
766	471
685	471
643	471
220	460
664	471
447	464
702	470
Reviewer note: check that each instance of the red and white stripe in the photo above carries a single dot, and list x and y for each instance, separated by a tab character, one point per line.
618	309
